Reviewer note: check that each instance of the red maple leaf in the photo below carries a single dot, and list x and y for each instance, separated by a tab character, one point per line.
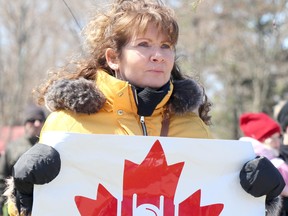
148	187
191	206
152	178
105	204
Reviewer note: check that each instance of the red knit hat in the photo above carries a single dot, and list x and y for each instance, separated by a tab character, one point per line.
258	125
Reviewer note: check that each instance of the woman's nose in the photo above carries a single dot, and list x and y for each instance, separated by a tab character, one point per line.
157	56
37	123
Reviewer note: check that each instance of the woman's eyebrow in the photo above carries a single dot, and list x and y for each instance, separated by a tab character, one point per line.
150	40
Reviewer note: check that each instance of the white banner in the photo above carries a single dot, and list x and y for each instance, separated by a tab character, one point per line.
110	175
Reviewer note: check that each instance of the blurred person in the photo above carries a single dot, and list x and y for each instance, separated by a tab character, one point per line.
34	118
282	118
265	135
128	83
277	108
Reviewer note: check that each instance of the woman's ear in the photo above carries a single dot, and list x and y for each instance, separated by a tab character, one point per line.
112	59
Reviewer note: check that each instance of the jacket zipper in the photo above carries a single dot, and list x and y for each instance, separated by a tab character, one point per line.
142	119
143	125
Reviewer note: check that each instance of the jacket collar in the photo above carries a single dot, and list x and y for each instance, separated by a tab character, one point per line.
121	92
83	96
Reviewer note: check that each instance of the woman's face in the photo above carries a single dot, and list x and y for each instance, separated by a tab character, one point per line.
147	60
273	141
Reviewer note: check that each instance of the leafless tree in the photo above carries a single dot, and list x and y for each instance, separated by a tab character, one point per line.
236	48
34	36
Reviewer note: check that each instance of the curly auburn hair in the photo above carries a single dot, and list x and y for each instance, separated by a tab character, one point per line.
113	28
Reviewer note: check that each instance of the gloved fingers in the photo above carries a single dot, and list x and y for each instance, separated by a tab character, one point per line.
39	165
260	177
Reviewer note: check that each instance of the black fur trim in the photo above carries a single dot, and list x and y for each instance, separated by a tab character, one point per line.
273	207
80	96
186	97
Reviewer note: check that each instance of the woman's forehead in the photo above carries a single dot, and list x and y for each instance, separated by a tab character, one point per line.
151	30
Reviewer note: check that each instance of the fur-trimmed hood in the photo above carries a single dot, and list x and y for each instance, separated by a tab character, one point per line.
84	96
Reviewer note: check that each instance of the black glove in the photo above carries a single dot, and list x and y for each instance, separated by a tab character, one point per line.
260	177
39	165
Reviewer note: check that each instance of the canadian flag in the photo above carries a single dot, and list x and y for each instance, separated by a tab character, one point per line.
114	175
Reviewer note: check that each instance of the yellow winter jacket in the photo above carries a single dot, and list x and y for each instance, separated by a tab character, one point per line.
119	115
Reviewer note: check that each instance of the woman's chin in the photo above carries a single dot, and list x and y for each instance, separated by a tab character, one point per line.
152	84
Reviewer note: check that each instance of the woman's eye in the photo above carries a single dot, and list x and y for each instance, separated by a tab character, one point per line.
166	46
143	44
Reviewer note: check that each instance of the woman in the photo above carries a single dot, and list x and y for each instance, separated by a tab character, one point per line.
139	65
128	84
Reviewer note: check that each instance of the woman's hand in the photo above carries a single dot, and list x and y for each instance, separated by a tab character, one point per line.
260	177
39	165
